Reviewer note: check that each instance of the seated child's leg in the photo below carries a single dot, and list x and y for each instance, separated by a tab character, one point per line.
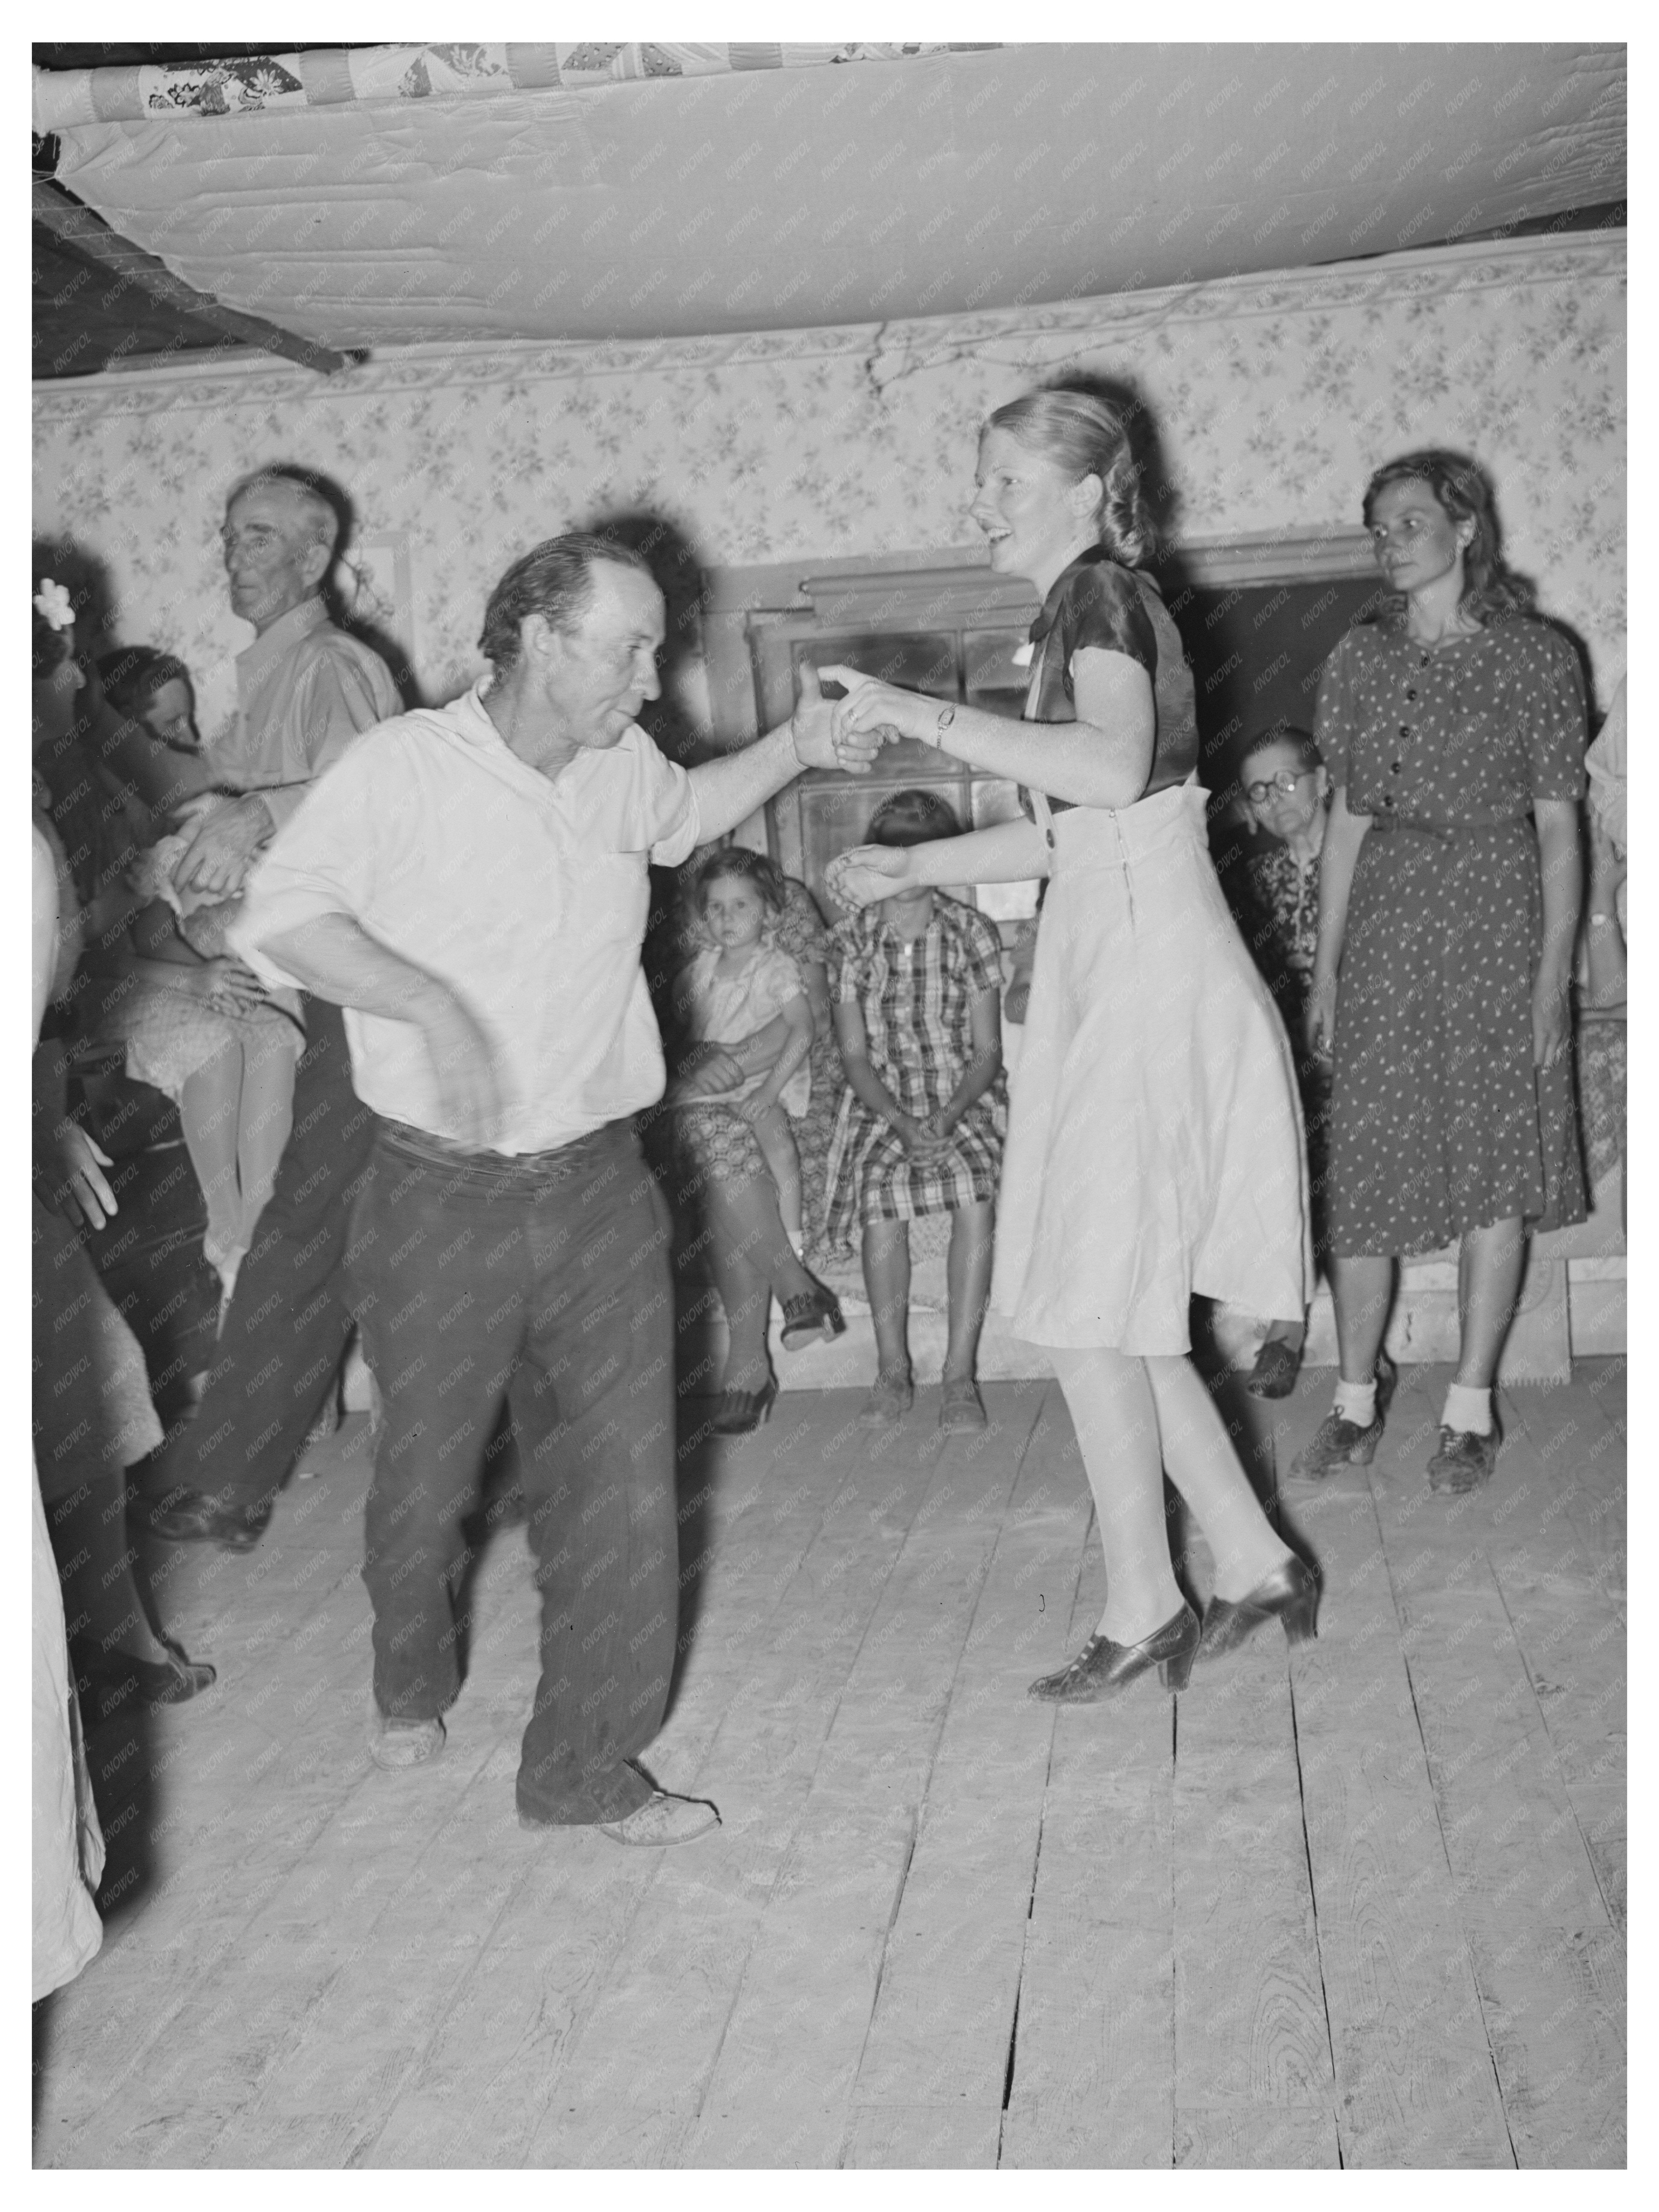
777	1144
968	1277
210	1110
266	1117
887	1284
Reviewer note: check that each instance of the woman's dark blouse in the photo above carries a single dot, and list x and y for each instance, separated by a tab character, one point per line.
1097	602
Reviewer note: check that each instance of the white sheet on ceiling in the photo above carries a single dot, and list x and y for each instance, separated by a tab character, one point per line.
782	199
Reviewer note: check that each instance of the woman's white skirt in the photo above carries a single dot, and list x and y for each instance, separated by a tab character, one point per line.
1155	1145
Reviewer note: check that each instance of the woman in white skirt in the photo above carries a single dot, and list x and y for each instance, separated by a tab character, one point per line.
1155	1141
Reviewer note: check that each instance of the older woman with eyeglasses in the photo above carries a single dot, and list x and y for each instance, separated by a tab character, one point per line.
1287	793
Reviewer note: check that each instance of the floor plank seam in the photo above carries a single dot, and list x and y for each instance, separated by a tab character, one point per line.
1313	1905
1440	1829
1555	1756
875	1993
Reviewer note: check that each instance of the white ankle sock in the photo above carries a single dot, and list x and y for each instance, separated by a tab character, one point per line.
1468	1410
1357	1402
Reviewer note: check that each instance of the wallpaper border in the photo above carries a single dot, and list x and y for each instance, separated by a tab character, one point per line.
890	350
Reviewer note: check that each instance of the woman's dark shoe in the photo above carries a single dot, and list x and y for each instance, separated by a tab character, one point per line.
1341	1442
1103	1666
113	1682
811	1317
1277	1367
1464	1460
743	1412
1289	1594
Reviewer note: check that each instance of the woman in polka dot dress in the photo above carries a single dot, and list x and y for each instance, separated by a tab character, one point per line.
1453	730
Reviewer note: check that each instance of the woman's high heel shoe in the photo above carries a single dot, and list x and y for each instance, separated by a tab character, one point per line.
743	1412
1289	1594
1103	1666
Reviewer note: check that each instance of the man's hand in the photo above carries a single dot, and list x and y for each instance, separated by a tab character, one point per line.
80	1192
821	741
469	1095
218	861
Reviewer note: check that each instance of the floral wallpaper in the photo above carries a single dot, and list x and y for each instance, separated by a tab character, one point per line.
1273	398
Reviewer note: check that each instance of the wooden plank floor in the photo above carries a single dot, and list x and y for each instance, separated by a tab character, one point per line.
1360	1905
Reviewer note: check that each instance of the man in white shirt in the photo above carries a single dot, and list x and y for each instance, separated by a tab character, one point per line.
470	883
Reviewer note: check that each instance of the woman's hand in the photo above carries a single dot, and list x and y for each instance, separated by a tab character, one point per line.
231	988
1319	1023
872	708
869	872
1606	869
1552	1019
711	1073
82	1194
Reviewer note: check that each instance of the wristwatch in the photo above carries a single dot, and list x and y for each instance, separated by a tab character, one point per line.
947	716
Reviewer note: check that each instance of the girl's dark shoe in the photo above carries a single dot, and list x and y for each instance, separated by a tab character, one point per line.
811	1317
1277	1367
1341	1442
1289	1594
743	1412
1464	1460
1103	1666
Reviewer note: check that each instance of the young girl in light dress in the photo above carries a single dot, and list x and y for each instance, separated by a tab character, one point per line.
738	984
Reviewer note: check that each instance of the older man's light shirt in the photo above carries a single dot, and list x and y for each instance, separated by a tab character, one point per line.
526	895
304	691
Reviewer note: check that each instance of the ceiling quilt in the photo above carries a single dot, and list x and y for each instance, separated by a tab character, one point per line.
752	195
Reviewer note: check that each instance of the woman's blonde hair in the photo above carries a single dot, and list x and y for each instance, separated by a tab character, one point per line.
1084	434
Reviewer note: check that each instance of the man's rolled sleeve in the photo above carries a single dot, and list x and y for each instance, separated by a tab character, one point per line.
668	804
322	861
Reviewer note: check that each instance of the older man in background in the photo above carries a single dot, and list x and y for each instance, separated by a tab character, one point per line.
305	691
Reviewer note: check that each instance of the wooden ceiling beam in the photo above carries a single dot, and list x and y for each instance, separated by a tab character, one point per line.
78	226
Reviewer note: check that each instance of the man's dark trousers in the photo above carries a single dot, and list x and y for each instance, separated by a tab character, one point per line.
543	1281
289	1316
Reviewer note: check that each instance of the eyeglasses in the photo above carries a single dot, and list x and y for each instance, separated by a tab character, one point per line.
1285	780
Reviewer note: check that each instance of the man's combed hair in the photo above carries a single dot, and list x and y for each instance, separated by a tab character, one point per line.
554	579
320	513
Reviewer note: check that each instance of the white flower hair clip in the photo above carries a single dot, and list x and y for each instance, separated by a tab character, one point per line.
53	605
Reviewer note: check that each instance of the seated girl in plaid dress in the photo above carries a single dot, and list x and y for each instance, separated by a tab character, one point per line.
917	1013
